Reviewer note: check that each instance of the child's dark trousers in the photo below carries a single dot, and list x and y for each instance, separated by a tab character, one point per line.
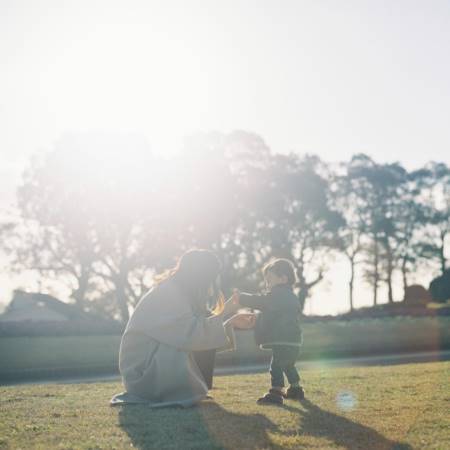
283	363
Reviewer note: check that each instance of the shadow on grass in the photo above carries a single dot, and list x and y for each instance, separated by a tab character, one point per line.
342	431
207	426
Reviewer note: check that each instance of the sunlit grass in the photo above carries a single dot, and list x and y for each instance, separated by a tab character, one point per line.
404	406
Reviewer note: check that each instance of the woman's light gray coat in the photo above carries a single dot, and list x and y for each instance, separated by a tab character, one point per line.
155	358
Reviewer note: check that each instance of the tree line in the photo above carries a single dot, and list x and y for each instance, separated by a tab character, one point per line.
103	215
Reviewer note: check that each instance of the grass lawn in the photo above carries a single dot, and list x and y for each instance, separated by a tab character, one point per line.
402	407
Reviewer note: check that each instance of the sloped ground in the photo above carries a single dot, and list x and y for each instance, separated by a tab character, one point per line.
33	357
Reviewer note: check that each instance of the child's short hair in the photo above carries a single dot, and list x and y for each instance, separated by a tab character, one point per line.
280	267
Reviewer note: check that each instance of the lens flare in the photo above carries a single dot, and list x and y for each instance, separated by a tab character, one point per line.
346	400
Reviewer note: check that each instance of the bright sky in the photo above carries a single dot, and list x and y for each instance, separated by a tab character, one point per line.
328	77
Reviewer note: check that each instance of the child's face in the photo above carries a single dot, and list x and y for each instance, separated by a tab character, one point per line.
273	279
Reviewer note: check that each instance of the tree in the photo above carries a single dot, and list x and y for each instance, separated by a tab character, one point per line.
440	287
379	185
351	236
47	237
435	197
411	219
289	215
102	214
230	168
81	207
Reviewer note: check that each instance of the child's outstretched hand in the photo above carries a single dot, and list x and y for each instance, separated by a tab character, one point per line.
243	321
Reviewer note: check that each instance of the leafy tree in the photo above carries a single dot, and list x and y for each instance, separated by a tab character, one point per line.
280	208
81	207
380	185
354	211
231	168
411	219
103	214
48	238
435	196
290	216
440	287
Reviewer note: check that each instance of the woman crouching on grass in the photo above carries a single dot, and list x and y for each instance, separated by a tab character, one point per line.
169	324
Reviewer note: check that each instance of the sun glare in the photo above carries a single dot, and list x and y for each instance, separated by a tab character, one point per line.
131	81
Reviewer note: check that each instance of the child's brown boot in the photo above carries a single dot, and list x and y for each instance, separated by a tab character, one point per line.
295	393
274	396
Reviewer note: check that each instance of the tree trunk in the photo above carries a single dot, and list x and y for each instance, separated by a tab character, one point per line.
350	284
79	294
404	276
389	278
442	253
303	288
376	275
389	268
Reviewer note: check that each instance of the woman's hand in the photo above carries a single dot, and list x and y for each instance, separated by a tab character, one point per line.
243	321
232	304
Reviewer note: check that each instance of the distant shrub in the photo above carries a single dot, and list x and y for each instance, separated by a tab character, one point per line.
416	294
440	287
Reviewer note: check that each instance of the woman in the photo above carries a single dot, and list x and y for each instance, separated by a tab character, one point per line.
171	322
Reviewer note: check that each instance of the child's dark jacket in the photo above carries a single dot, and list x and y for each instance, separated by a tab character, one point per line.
279	321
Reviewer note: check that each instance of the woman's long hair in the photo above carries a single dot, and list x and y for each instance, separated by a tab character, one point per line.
195	273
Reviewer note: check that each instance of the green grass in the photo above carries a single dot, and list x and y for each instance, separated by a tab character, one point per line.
402	407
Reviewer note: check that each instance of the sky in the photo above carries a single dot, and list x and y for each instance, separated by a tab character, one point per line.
325	77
